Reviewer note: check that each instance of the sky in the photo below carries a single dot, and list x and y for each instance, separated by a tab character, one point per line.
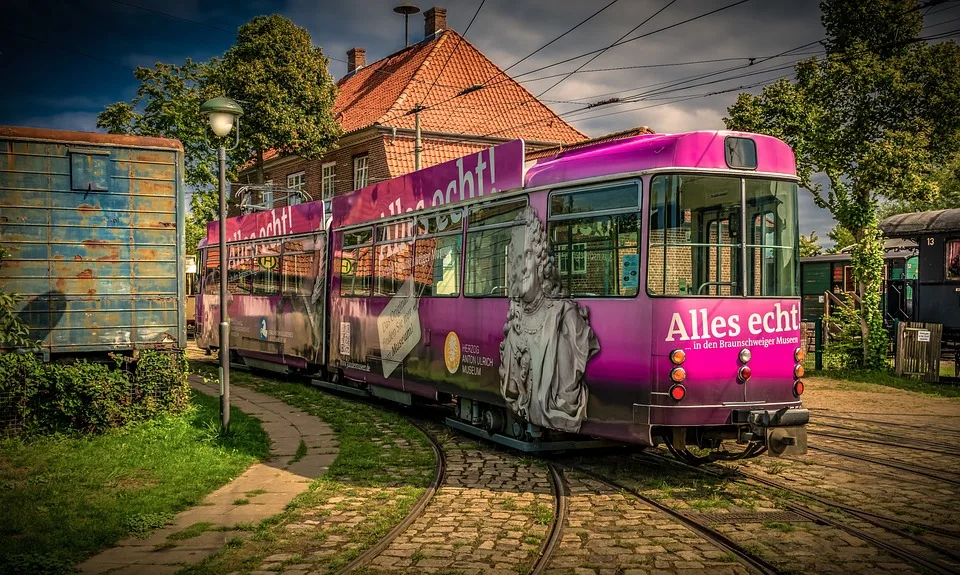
63	61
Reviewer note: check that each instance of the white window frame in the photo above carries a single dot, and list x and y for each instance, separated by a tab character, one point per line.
267	196
294	199
361	171
579	268
329	180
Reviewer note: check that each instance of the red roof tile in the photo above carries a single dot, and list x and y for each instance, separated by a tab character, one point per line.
383	93
400	157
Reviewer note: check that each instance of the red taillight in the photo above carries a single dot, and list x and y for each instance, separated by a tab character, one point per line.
678	374
678	392
798	388
677	356
744	373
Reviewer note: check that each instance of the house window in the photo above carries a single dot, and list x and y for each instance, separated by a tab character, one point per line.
329	179
360	172
268	195
295	184
953	260
577	256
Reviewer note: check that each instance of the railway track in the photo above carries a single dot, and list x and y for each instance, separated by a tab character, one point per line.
893	525
559	517
884	433
913	468
940	449
753	562
418	508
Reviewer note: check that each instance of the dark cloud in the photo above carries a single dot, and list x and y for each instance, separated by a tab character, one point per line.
63	61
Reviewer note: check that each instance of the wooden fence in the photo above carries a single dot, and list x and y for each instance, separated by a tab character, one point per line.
918	350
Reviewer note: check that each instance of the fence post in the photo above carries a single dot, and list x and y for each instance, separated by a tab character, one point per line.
818	343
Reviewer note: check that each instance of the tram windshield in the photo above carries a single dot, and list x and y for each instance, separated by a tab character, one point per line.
707	237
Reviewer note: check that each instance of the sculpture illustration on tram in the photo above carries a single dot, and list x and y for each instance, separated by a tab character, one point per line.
547	338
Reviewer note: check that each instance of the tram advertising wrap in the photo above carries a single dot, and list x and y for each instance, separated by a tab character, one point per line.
641	290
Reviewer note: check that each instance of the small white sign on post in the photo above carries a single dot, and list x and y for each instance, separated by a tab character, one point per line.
923	335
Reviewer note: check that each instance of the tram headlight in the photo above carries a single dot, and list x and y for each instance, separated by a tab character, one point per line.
678	374
677	356
798	371
799	354
798	388
745	355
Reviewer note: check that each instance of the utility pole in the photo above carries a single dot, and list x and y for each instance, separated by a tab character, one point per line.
417	147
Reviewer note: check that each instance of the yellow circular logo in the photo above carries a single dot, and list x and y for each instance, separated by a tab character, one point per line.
346	267
268	262
451	352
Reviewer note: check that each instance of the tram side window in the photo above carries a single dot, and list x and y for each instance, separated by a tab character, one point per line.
356	263
594	236
694	239
772	238
490	233
240	275
211	273
437	254
953	259
266	271
394	258
297	266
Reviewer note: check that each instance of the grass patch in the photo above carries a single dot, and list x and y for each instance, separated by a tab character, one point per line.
66	497
886	379
780	526
542	514
241	501
372	476
194	530
301	451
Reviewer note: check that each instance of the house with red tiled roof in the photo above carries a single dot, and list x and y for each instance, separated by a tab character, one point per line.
468	103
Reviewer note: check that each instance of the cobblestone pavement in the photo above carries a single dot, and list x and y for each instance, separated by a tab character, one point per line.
490	516
609	532
261	491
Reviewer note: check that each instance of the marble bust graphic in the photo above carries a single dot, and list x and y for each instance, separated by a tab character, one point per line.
547	337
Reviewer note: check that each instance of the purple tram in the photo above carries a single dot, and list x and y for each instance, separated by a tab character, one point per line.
642	290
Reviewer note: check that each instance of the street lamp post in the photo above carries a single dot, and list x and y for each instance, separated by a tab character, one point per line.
223	113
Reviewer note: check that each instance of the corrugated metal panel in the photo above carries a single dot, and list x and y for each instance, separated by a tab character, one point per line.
95	232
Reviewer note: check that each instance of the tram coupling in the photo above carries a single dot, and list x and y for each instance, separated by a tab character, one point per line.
782	431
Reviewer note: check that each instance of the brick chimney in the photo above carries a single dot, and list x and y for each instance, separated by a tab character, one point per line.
356	59
434	20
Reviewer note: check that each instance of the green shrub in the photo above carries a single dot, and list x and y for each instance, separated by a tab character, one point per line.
37	397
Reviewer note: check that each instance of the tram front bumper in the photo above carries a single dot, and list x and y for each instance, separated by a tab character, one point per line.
782	430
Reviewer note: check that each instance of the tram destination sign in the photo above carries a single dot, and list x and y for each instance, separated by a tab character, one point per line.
486	172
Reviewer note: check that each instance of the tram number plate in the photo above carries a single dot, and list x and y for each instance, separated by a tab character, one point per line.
923	335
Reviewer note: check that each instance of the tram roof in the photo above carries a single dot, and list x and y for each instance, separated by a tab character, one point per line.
917	223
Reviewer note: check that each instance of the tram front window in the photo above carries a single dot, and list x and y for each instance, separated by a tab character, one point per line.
697	245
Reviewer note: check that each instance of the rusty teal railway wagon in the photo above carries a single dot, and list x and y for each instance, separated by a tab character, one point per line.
94	227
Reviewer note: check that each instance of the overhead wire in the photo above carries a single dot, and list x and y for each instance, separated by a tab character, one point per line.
621	42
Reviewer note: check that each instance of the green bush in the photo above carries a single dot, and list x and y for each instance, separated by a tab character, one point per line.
37	397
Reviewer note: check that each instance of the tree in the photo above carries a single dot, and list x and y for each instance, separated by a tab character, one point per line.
809	245
948	177
282	82
878	114
841	239
279	77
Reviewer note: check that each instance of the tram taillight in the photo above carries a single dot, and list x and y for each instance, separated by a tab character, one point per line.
798	388
678	374
798	371
744	373
799	354
677	392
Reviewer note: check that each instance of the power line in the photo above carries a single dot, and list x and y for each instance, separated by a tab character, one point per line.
602	52
452	52
621	42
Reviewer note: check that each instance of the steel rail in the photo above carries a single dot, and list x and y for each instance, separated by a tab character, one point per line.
874	519
751	561
559	517
415	513
921	470
952	453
